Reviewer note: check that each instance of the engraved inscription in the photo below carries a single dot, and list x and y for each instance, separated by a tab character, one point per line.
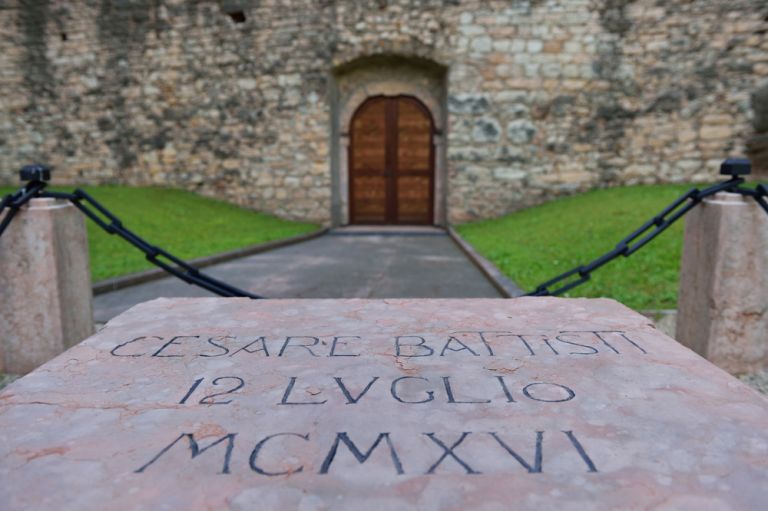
283	453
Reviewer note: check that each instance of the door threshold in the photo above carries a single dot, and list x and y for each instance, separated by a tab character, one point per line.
388	230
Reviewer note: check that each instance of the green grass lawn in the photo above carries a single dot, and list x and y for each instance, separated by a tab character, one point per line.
539	243
181	222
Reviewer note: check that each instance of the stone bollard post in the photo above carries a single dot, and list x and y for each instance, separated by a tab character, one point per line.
723	301
45	298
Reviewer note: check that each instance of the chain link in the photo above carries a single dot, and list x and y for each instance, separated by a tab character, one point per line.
760	193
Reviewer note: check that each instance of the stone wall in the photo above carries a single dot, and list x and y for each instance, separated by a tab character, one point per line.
554	98
235	99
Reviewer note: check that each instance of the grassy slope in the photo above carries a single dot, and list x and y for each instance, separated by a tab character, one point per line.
183	223
539	243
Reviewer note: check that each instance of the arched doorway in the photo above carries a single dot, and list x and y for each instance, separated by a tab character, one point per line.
391	162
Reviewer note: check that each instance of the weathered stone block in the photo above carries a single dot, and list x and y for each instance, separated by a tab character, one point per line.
534	403
716	132
509	173
534	46
468	104
723	301
486	130
45	297
520	131
481	44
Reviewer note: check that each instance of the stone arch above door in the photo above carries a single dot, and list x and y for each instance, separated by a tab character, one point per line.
353	84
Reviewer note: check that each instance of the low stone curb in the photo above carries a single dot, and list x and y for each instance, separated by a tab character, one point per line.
503	285
113	284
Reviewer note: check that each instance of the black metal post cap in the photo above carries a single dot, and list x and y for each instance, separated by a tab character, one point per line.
736	167
35	172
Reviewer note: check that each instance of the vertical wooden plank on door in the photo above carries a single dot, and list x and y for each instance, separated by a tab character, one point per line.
391	160
415	163
368	163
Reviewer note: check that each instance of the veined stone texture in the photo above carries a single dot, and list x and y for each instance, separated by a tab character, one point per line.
429	405
723	301
45	285
543	97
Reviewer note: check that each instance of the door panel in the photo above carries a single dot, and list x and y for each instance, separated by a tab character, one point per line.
369	132
414	203
414	163
368	163
414	137
370	194
391	162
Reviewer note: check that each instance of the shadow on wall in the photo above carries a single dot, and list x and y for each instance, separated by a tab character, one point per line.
757	144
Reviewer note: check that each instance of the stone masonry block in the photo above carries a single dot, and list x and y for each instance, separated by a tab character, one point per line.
45	299
723	302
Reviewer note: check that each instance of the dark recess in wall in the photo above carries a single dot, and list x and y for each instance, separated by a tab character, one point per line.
237	16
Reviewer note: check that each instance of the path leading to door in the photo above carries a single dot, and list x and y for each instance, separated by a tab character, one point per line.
354	262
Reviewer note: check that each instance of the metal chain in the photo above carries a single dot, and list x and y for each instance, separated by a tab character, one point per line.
13	202
113	225
647	232
566	281
760	193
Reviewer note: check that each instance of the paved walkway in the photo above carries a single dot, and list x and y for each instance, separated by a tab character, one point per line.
354	262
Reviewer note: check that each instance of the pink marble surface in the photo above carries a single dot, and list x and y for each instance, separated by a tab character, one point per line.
45	285
239	404
723	300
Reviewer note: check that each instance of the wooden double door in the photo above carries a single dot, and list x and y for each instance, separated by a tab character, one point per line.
391	162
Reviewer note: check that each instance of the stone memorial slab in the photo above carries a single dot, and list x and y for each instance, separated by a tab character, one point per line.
490	404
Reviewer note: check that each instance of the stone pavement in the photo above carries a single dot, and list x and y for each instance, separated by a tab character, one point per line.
351	262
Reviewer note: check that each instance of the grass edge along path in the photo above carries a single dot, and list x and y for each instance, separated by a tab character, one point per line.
536	244
181	222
